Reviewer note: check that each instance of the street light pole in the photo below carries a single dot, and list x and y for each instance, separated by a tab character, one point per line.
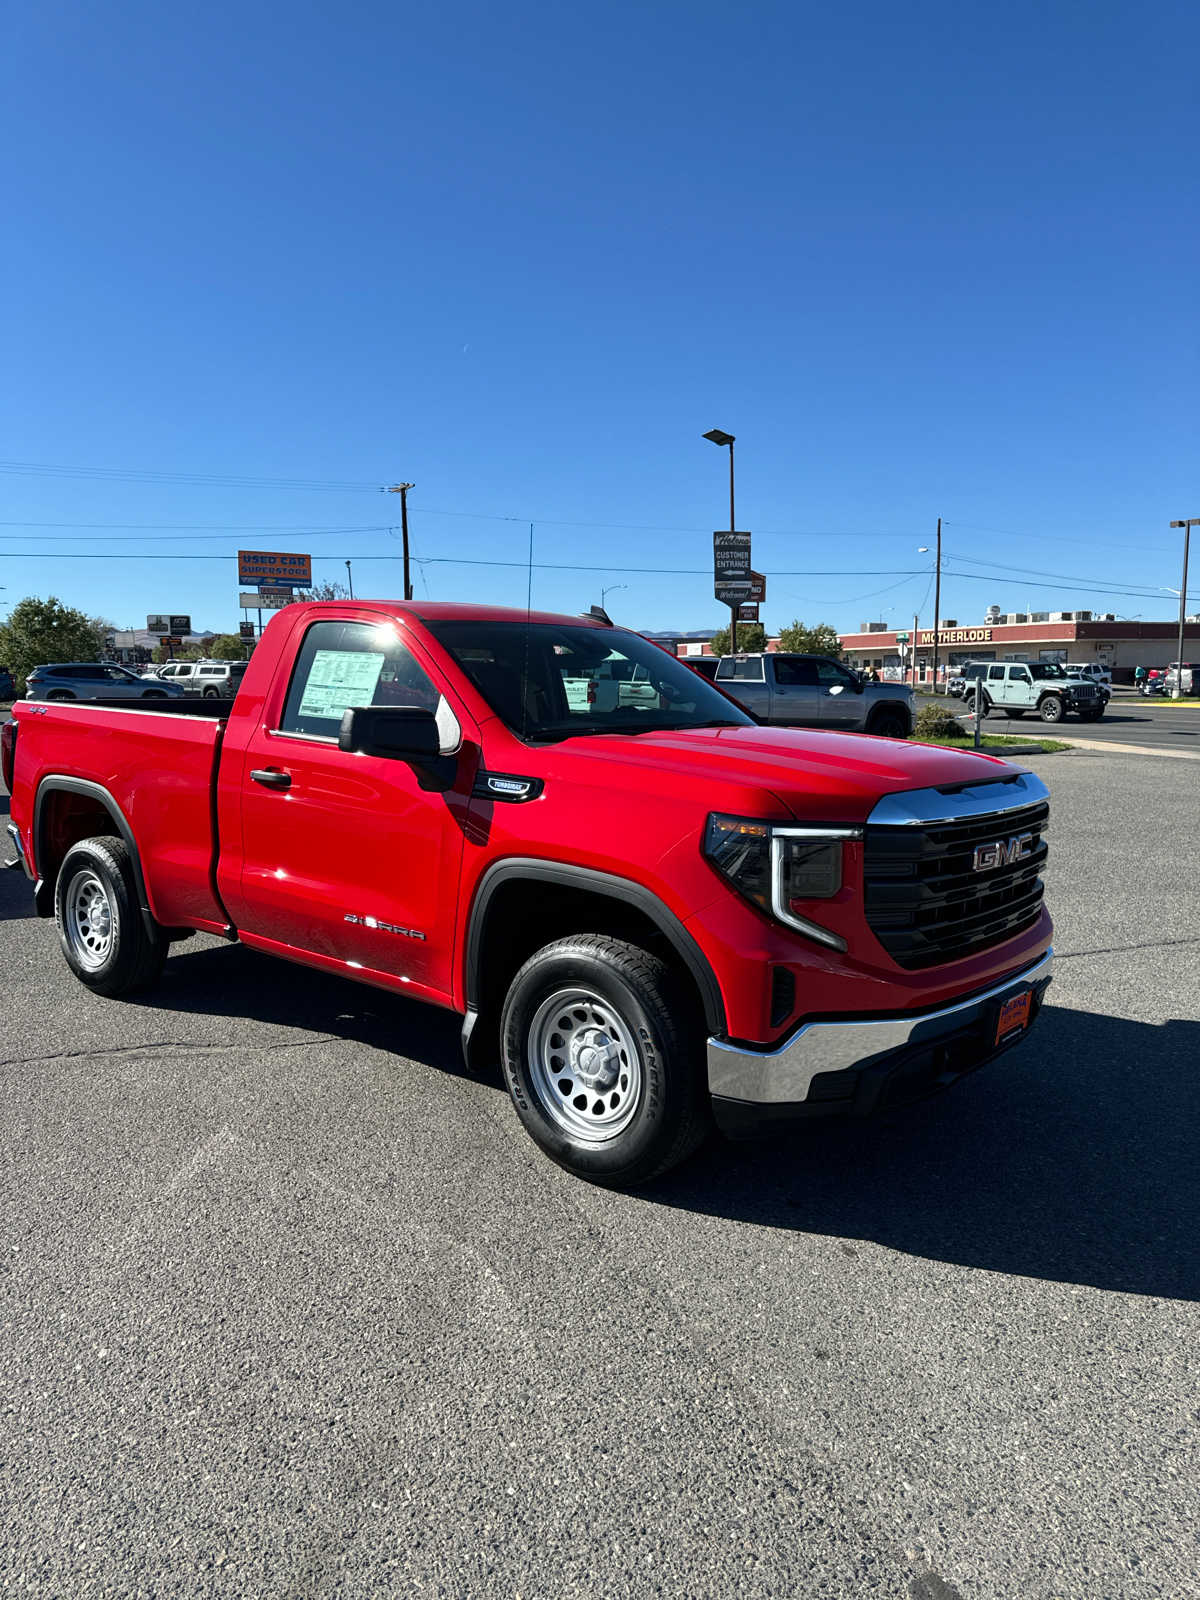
937	604
718	436
402	490
350	579
1187	526
609	589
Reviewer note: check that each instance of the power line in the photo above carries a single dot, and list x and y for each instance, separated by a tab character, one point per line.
45	469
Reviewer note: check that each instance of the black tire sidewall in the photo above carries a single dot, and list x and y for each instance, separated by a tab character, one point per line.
645	1146
889	725
1051	700
126	965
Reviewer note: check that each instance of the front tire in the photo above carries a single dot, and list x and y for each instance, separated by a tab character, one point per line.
100	925
889	725
602	1056
979	705
1051	709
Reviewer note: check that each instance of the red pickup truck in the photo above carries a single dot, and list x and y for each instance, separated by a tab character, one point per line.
656	912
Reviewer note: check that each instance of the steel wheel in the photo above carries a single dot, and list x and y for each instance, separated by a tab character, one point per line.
584	1066
88	920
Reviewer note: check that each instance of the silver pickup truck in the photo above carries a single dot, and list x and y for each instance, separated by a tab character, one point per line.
815	692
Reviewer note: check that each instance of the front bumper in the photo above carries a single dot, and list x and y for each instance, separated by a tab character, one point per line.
19	860
827	1067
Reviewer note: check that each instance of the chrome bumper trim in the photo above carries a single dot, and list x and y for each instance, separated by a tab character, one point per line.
14	833
784	1075
920	808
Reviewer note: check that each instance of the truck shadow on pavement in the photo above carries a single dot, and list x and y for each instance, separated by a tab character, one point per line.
1074	1158
16	891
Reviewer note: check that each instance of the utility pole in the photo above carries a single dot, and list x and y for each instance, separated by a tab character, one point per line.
402	490
937	604
1187	526
916	619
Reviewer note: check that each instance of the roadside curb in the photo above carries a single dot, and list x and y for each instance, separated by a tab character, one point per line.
1137	750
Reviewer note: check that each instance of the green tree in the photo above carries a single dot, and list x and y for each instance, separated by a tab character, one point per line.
819	641
226	647
40	631
189	652
752	637
322	591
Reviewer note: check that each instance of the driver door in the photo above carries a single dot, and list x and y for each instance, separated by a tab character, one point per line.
348	857
840	691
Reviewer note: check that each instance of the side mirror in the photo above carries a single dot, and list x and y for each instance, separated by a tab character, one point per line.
397	733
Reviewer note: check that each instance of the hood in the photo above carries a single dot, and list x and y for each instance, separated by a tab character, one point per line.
817	775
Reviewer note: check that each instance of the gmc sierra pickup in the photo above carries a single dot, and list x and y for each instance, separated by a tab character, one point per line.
654	912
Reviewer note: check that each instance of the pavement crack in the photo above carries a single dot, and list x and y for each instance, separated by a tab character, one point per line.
156	1046
1119	949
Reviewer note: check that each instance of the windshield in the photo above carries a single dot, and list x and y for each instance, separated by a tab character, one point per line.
552	680
1046	669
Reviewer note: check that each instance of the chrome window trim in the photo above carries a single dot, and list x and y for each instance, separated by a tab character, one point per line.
306	738
918	808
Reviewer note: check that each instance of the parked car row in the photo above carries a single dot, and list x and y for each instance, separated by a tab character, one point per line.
1165	680
108	680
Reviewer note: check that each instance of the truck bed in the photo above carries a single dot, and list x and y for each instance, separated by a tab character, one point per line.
157	763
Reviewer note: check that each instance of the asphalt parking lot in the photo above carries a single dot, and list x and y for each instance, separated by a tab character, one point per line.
291	1307
1130	719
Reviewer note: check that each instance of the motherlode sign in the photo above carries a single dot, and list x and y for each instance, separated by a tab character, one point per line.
956	636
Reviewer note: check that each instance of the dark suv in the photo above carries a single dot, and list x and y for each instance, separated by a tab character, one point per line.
94	680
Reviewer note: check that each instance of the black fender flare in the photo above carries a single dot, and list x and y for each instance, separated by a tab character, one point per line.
62	783
532	869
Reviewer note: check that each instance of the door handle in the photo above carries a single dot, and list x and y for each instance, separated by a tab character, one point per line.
272	778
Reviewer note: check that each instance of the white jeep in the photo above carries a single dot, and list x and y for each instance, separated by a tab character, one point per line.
1044	687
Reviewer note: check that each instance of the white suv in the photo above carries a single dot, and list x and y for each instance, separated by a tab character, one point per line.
1095	670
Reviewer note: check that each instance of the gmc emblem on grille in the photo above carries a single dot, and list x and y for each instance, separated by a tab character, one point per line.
1002	853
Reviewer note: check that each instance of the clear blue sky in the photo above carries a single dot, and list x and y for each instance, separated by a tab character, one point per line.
921	259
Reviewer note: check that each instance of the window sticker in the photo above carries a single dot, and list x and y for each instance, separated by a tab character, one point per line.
339	679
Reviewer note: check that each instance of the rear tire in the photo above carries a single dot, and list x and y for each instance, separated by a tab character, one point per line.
212	694
60	694
603	1057
100	925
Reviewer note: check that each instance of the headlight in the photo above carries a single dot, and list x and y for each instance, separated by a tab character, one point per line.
780	869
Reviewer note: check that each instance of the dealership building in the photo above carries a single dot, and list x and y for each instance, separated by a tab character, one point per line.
1076	636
